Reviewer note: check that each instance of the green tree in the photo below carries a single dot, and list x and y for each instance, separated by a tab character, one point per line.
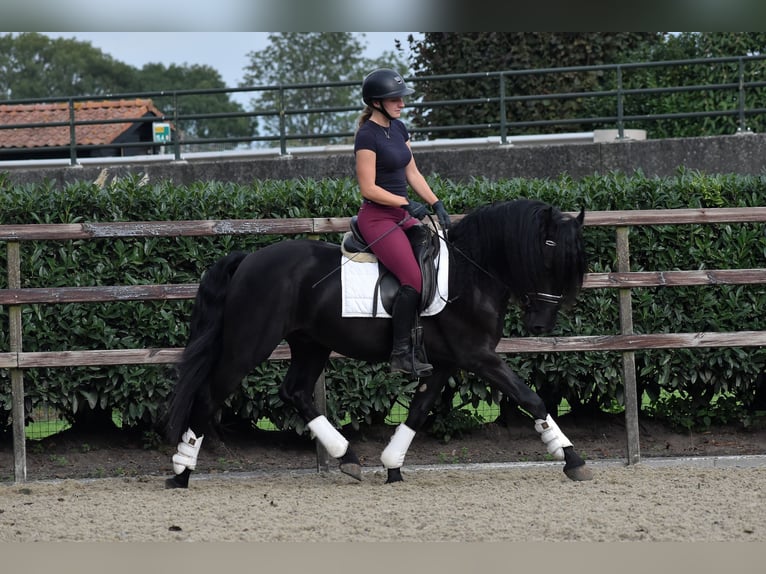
33	65
467	52
698	45
285	71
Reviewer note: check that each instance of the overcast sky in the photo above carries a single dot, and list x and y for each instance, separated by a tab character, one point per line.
224	51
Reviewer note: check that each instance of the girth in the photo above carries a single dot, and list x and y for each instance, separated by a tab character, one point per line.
425	246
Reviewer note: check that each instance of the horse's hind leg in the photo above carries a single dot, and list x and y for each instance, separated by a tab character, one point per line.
188	448
200	423
234	364
307	361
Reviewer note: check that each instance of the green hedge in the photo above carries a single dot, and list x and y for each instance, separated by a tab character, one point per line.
681	382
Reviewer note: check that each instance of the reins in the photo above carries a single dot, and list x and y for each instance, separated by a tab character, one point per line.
541	297
451	245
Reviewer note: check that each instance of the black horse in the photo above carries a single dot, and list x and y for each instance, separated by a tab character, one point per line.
524	251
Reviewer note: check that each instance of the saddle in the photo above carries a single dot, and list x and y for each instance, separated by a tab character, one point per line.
425	246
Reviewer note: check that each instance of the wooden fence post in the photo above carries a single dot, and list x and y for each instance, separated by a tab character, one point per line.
17	375
628	357
320	400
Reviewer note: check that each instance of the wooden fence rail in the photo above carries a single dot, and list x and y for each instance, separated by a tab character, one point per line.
14	297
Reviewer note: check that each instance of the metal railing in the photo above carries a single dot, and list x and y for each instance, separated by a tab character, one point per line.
268	103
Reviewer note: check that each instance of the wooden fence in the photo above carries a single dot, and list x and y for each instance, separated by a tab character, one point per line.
17	360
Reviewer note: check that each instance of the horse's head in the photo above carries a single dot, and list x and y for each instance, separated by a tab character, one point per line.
555	275
530	249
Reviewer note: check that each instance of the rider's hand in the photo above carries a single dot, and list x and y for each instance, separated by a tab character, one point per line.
442	214
416	210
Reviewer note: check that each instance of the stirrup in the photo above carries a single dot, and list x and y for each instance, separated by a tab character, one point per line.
408	364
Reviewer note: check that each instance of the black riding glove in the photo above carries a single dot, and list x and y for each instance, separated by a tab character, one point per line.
416	210
442	214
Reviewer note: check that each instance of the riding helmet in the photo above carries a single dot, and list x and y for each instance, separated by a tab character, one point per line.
382	84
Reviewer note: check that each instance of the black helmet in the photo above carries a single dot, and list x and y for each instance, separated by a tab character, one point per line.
382	84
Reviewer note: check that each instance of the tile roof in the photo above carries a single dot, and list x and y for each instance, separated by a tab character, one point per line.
59	112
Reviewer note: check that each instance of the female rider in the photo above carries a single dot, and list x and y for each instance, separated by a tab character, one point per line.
384	169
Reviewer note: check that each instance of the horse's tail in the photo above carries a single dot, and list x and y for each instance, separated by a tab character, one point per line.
201	352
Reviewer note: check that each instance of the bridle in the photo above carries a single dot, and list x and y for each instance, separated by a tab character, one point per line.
547	298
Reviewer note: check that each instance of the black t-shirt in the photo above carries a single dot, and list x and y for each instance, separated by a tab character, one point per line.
391	153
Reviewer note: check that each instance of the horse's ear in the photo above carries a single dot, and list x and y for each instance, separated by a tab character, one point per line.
581	216
549	221
548	216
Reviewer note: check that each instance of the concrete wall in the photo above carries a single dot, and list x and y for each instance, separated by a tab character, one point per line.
742	154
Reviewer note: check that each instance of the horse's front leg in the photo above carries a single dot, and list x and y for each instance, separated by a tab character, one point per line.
503	379
561	448
421	404
336	445
331	439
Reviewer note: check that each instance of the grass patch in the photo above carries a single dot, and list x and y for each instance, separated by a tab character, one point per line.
41	429
47	422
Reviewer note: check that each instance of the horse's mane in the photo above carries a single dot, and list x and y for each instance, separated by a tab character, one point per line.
507	240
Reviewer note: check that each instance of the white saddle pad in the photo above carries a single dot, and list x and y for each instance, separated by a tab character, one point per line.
358	280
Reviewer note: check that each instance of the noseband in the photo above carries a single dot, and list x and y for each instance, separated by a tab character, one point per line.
546	298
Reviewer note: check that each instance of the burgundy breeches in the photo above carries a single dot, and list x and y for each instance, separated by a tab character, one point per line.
379	224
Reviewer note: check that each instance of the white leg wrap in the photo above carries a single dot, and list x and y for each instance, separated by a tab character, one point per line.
393	454
188	449
334	442
552	436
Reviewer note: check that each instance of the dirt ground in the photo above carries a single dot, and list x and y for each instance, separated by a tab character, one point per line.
266	488
269	490
634	503
72	455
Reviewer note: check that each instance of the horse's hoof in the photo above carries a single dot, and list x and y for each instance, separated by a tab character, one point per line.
349	464
351	469
394	475
579	473
575	468
179	480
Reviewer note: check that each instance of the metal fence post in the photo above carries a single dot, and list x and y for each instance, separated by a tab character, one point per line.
741	99
72	135
282	123
503	114
178	131
620	106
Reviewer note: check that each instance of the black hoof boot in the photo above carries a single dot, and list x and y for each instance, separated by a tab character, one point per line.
575	468
394	475
349	464
179	480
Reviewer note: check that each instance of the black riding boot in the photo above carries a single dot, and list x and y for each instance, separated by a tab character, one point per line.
403	358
